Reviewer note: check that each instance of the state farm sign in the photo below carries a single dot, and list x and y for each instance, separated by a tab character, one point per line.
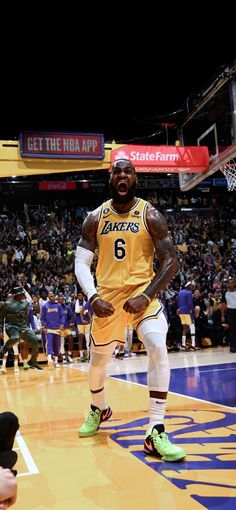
164	158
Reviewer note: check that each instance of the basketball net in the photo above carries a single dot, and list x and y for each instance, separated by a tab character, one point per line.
229	171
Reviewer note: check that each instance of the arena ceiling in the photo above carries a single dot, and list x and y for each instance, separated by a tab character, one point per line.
130	104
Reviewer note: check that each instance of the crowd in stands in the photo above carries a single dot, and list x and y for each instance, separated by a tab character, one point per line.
37	248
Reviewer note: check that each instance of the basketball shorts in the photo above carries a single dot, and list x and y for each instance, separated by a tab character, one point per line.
186	319
112	329
83	329
66	332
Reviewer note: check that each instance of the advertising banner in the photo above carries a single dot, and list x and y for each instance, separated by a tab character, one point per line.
62	145
164	158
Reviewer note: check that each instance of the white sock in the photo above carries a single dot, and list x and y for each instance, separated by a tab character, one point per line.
157	412
97	376
87	338
98	399
192	331
4	361
183	341
62	348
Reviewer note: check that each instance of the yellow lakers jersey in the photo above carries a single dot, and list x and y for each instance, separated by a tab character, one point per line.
125	247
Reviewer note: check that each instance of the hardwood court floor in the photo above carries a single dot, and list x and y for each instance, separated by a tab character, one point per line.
57	470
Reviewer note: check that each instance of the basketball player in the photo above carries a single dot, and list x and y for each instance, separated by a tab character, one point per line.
66	333
186	308
82	321
128	340
127	231
52	320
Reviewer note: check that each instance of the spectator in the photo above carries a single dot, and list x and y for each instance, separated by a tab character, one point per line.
230	298
221	327
185	310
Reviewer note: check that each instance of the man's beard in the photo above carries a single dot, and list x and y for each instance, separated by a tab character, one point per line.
124	199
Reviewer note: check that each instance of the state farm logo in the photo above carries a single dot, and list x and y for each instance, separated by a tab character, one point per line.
150	155
121	155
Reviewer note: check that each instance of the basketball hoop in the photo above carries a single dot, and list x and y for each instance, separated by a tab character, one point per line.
229	171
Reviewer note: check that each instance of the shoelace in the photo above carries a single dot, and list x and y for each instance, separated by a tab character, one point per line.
165	441
92	416
165	437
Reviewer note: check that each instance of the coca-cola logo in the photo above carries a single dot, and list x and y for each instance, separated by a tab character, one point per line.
57	185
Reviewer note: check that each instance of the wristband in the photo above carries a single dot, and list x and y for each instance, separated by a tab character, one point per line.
146	296
94	299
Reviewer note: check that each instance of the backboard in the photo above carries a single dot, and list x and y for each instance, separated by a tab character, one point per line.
211	121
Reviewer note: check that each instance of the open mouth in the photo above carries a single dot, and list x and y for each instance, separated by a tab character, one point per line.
122	187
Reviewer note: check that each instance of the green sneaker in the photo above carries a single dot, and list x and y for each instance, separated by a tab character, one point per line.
26	365
95	418
158	444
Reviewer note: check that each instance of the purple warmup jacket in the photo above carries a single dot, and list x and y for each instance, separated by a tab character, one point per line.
185	301
52	316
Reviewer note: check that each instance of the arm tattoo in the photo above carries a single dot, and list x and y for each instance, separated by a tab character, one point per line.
164	249
89	231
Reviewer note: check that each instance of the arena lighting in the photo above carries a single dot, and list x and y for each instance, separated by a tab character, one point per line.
186	209
206	96
166	124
